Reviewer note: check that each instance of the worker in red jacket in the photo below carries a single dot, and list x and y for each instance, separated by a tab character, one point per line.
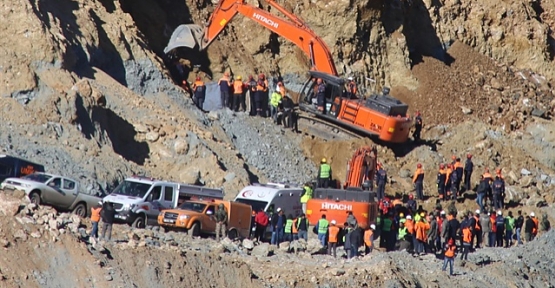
261	220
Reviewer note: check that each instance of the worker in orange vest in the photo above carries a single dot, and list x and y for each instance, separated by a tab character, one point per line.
467	242
502	198
418	181
238	87
199	92
333	232
95	218
487	176
351	88
448	173
536	225
449	256
225	87
421	229
369	239
411	237
441	177
295	229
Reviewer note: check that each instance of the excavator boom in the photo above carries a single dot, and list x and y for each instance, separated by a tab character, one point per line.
292	28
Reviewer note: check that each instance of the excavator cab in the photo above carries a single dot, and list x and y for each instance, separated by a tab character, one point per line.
335	91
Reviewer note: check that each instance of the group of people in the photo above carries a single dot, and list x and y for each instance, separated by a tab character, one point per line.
106	212
283	228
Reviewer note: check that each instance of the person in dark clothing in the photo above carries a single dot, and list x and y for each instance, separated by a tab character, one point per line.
261	222
286	107
472	223
468	168
519	222
481	192
453	227
441	178
251	86
528	229
498	191
107	214
261	92
302	227
381	179
225	90
417	127
355	238
411	204
321	95
500	226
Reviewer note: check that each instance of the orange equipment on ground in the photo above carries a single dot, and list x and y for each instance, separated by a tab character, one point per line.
336	204
356	168
379	115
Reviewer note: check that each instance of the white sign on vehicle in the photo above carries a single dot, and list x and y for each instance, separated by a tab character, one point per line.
169	221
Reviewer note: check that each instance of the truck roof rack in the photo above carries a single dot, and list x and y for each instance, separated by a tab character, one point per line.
356	195
200	191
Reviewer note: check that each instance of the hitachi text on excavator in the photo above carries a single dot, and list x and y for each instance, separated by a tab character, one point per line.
379	116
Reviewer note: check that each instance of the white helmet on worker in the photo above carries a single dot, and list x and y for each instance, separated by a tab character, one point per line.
409	217
333	222
279	209
350	78
372	226
532	214
499	212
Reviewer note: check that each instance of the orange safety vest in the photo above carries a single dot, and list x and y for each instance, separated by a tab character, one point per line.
334	231
450	253
353	87
197	84
294	228
409	224
458	165
487	175
467	235
95	214
261	87
418	175
535	229
223	79
477	226
397	202
367	235
238	87
492	220
421	228
447	175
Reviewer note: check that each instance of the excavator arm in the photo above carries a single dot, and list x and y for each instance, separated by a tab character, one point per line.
293	29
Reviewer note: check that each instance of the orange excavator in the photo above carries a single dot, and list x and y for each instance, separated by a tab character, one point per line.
377	115
362	167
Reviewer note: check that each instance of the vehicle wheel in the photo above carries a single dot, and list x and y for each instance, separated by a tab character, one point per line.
80	210
140	222
195	230
35	198
232	234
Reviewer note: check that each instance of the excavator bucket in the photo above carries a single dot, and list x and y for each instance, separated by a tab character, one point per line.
186	35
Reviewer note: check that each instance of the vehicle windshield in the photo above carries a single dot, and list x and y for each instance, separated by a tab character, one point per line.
193	206
130	188
41	178
256	205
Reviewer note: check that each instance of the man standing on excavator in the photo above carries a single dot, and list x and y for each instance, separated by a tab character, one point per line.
321	95
351	88
381	179
417	126
225	87
324	174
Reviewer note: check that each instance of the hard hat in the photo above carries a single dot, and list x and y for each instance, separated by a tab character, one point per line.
442	212
478	211
324	160
419	165
532	214
409	217
411	196
261	75
499	212
350	78
453	157
401	215
451	241
333	222
197	79
422	214
239	78
279	209
372	226
441	166
468	156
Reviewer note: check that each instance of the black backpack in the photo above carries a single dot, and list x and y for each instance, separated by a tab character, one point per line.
200	88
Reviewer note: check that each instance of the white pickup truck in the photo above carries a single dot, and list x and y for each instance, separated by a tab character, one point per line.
57	191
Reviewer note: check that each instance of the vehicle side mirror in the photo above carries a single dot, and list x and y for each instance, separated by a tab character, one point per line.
209	212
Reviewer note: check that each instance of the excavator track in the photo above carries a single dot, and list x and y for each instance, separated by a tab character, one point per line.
318	128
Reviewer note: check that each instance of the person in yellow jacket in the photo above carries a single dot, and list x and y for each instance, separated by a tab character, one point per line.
421	229
274	103
324	174
369	239
307	195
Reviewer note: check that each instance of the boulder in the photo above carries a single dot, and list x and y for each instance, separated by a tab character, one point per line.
262	250
180	146
313	246
190	176
213	115
526	181
152	136
284	246
21	235
466	110
9	206
525	172
248	244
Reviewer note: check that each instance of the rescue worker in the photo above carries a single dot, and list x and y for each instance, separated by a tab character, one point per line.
509	227
302	227
444	228
369	165
417	126
493	231
351	88
274	104
519	222
453	226
477	233
280	225
500	228
468	168
449	256
421	236
388	229
286	107
432	233
489	178
351	219
107	214
529	228
265	96
294	230
221	221
280	88
481	192
466	241
288	229
536	225
95	218
274	217
369	239
441	177
261	220
545	225
485	224
225	87
448	173
260	95
411	204
459	170
324	174
251	87
454	180
238	87
306	195
402	235
347	239
418	181
411	233
321	95
332	238
381	179
502	198
199	92
322	228
498	190
356	236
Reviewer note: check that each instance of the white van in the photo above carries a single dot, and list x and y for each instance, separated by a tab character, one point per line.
138	200
271	196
